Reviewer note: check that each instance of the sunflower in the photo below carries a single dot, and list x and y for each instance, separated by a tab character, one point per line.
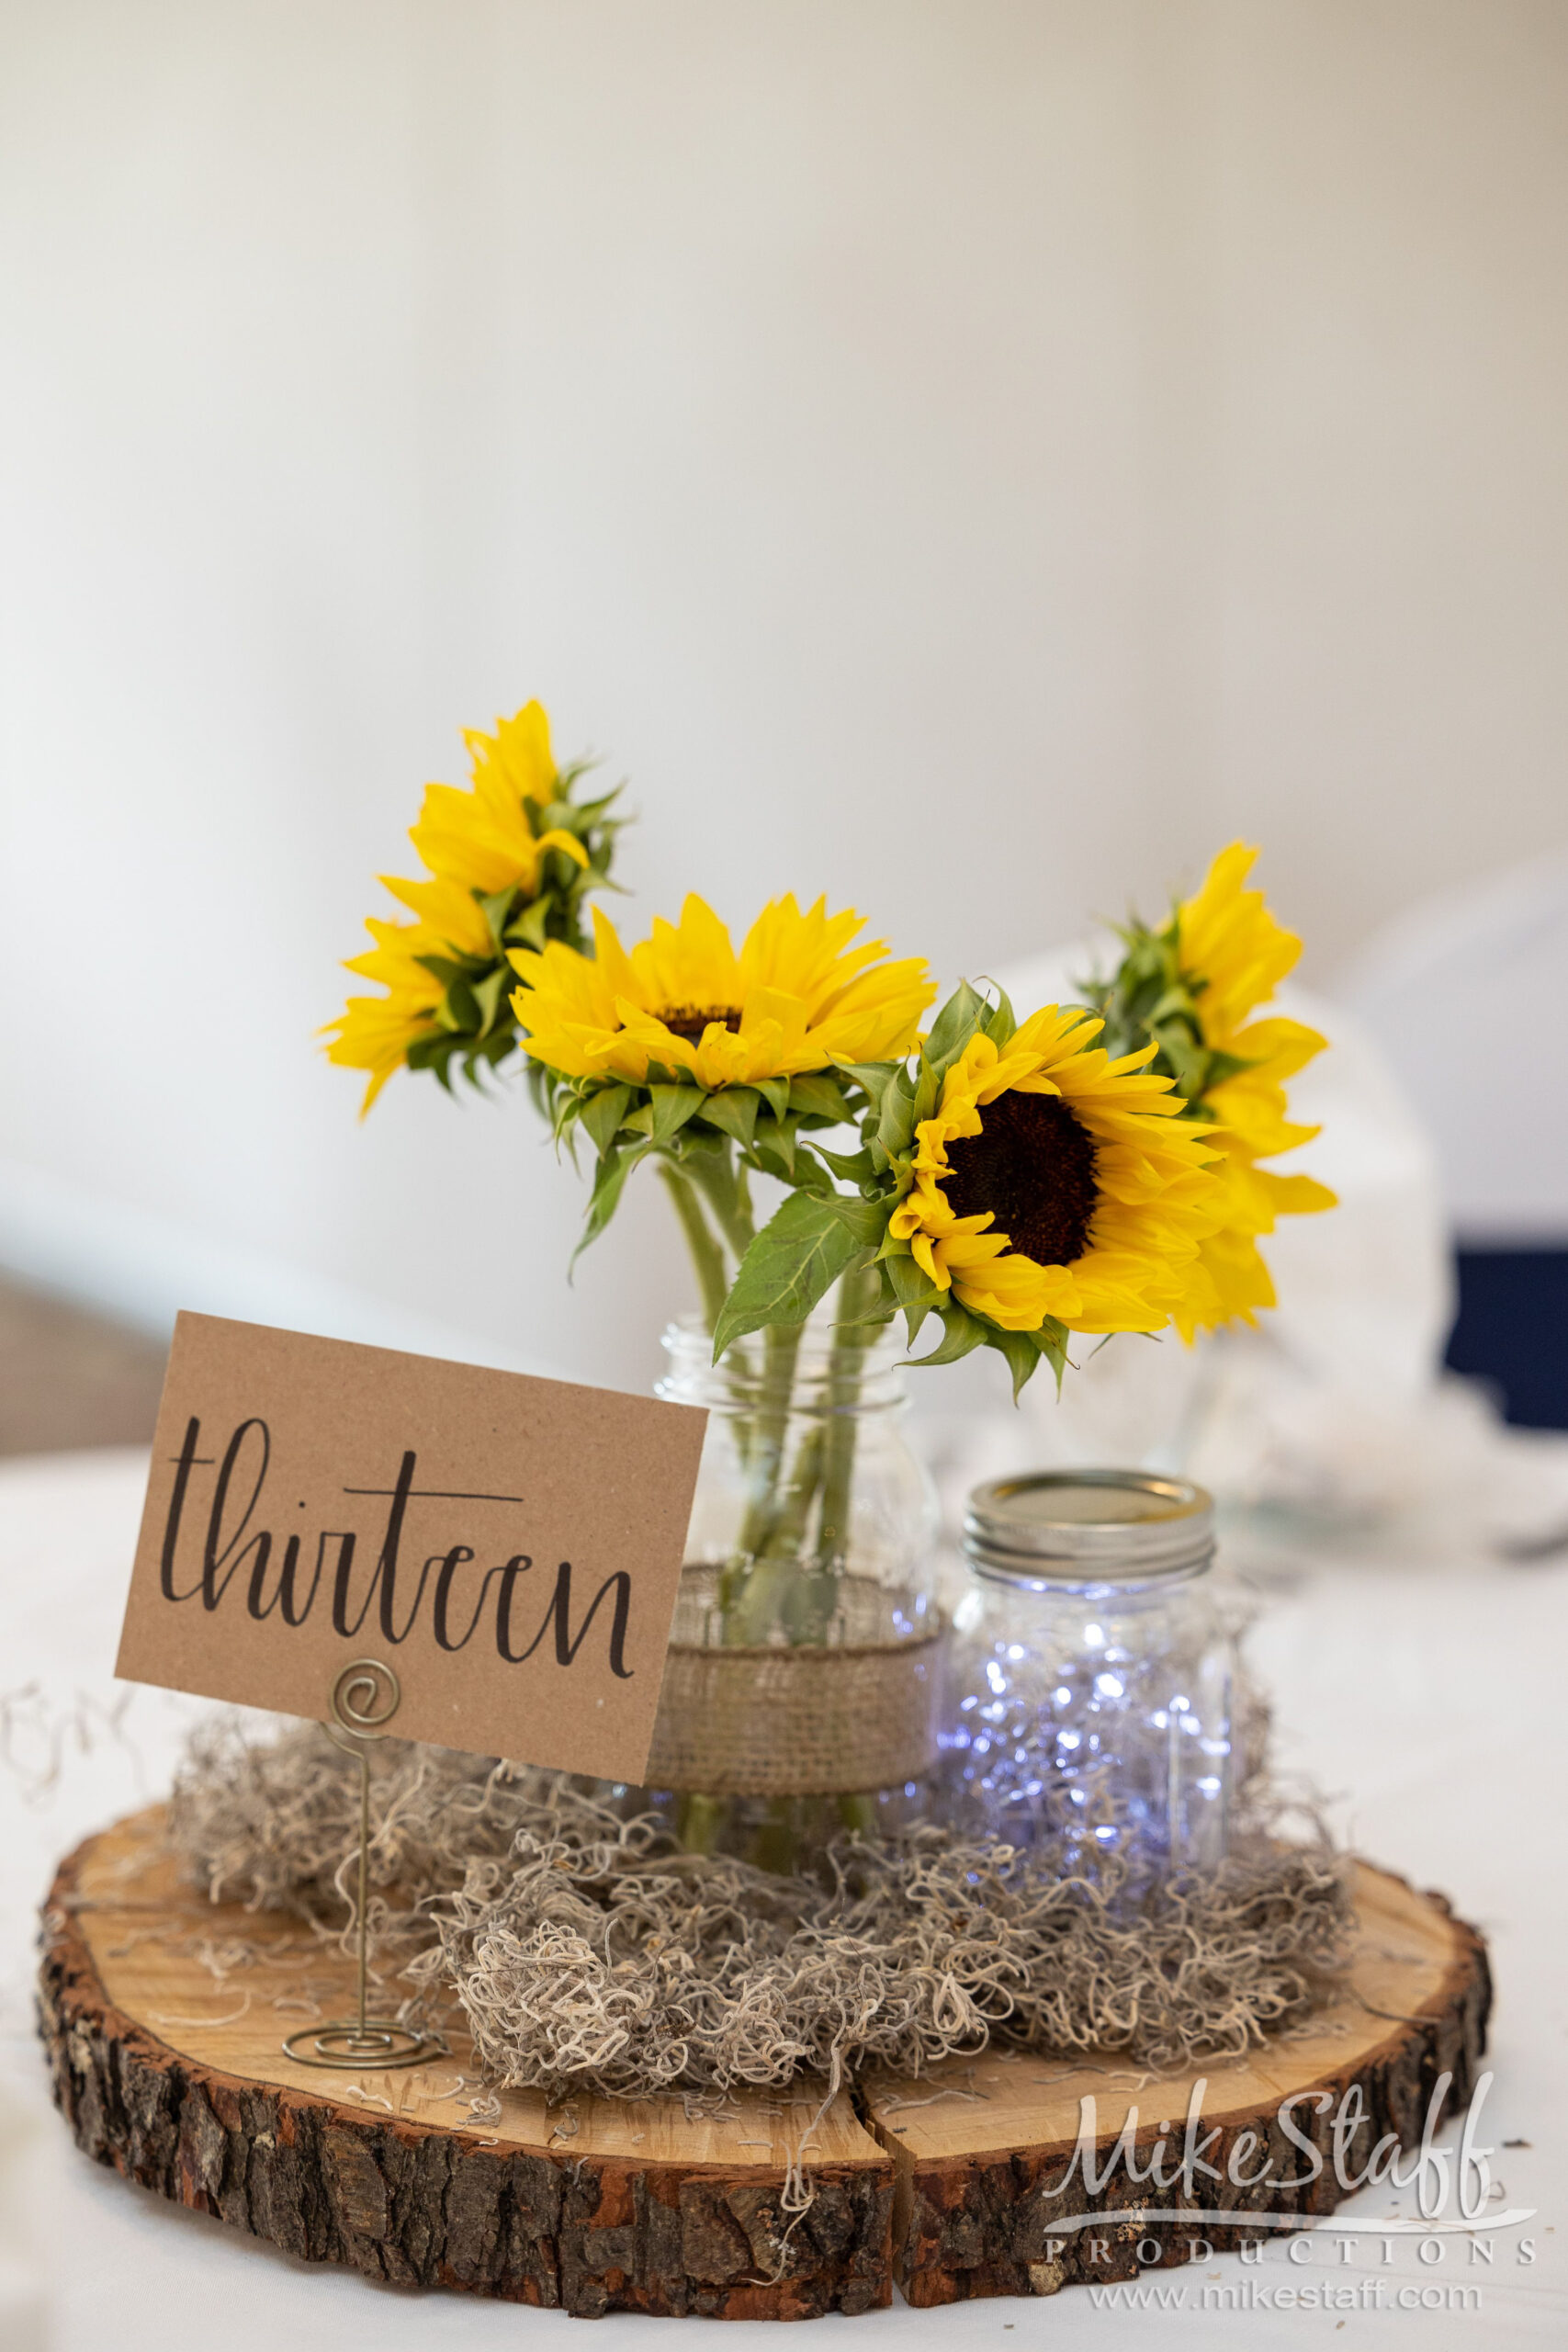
483	838
798	998
489	882
1233	955
1193	988
378	1033
1055	1184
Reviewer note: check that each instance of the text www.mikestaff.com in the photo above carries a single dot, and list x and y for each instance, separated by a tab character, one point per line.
1264	2295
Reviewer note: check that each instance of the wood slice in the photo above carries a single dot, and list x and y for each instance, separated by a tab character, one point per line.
980	2146
163	2017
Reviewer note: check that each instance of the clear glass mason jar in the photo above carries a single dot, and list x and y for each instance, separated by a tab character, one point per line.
1090	1693
802	1679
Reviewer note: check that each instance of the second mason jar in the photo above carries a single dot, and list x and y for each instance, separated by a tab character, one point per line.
1091	1692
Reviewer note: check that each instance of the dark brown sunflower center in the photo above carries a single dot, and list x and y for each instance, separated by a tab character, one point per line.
1033	1166
689	1021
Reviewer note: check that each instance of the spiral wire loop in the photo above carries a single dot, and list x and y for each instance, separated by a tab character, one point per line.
365	1695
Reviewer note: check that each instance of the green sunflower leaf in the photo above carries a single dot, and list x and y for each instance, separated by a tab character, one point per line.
774	1092
795	1260
603	1113
733	1109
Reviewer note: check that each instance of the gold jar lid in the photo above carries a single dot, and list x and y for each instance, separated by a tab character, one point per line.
1113	1525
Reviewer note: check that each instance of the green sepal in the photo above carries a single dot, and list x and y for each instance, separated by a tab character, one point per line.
895	1127
807	1173
1051	1342
733	1110
816	1096
801	1251
1022	1356
953	1027
458	1011
495	911
1001	1021
531	926
433	1052
609	1178
850	1166
486	994
774	1092
449	968
1224	1066
602	1115
876	1316
964	1334
672	1106
872	1075
774	1140
913	1289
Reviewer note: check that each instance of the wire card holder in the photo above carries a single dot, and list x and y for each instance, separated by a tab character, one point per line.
365	1696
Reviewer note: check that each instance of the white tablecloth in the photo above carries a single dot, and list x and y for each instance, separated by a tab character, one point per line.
1431	1702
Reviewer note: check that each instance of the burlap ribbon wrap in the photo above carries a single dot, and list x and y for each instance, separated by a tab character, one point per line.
803	1721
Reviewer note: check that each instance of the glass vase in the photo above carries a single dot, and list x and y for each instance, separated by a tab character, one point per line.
802	1689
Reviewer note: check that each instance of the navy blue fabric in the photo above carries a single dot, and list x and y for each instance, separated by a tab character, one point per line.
1512	1330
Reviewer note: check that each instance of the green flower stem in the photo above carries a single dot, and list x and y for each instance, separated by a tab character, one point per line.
858	1294
724	1187
770	1427
707	1258
857	1813
787	1533
699	1822
775	1843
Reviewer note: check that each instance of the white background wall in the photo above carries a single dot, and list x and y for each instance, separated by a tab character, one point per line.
974	458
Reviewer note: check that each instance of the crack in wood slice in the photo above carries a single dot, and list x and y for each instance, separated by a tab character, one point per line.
163	2017
976	2174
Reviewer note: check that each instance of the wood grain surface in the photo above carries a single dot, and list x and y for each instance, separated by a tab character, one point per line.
163	2017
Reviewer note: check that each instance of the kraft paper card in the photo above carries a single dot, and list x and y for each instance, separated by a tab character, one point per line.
510	1547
